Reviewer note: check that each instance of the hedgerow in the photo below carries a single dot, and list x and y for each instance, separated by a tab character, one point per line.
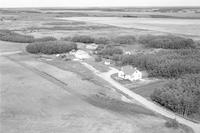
166	42
51	47
108	51
83	39
45	39
181	95
6	35
125	39
102	40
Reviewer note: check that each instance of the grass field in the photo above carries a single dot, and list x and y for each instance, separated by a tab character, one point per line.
177	26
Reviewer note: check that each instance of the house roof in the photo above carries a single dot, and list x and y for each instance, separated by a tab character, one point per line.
81	52
128	70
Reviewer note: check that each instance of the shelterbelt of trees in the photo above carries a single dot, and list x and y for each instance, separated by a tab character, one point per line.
51	47
181	95
166	42
11	36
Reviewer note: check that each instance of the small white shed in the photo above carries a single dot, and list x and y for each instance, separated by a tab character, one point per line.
92	46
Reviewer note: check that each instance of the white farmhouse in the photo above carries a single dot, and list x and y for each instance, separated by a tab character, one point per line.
128	52
107	62
130	73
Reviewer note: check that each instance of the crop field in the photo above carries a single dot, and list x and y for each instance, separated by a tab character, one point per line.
168	25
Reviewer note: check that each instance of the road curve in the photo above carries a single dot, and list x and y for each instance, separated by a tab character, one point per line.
148	104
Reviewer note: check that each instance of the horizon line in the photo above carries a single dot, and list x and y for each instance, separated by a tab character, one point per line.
88	7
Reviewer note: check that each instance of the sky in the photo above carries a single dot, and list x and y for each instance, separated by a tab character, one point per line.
95	3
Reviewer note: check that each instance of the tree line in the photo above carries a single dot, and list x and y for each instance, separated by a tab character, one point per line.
51	47
181	95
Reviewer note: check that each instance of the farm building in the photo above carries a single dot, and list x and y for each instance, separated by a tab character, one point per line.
128	52
130	73
107	62
92	46
80	54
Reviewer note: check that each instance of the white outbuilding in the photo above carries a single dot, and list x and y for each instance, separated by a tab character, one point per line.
92	46
128	53
107	62
80	54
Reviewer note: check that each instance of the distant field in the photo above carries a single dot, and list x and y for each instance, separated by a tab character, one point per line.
187	27
64	23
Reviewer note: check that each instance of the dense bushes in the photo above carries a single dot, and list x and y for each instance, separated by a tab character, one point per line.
149	41
88	39
51	47
102	40
45	39
181	95
108	51
167	64
166	42
83	39
125	39
6	35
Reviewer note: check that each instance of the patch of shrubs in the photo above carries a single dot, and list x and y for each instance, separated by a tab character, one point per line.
108	51
88	39
68	38
83	39
172	123
166	42
51	47
6	35
125	39
102	40
181	95
45	39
